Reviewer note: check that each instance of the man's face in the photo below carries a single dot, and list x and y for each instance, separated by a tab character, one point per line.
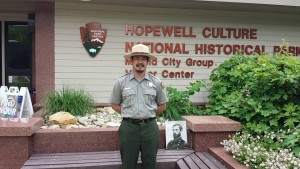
176	132
139	63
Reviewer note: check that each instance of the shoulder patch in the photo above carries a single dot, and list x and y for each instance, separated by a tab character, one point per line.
162	84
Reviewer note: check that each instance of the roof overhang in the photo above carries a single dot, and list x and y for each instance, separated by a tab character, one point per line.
265	6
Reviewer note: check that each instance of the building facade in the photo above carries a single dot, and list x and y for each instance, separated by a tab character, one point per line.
48	44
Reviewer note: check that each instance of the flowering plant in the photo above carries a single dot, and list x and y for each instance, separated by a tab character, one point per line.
265	151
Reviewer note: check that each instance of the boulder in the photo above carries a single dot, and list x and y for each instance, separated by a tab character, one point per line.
62	119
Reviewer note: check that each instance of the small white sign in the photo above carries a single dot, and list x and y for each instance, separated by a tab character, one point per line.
15	103
10	79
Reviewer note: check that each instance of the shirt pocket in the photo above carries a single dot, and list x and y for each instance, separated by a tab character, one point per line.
128	98
150	96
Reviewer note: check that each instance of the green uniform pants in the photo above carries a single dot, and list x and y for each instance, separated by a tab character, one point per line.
135	138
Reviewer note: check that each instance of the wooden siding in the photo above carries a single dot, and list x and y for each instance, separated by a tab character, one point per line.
73	65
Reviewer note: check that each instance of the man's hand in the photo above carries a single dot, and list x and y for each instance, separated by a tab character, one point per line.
116	107
160	108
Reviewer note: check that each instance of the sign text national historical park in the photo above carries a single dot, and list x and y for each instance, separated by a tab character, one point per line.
176	33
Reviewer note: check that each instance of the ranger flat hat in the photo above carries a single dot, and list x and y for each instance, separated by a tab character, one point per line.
140	50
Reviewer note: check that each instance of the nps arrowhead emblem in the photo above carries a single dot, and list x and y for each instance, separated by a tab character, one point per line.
93	38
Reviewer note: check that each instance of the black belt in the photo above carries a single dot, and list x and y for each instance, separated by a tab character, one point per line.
138	121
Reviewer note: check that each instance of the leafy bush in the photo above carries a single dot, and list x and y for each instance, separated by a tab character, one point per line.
261	92
179	103
74	101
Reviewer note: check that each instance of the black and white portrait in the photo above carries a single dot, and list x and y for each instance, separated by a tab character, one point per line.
176	135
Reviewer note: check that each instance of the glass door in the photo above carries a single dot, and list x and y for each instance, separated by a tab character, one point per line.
18	55
1	58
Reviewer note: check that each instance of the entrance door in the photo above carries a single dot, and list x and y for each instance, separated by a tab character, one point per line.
1	66
18	55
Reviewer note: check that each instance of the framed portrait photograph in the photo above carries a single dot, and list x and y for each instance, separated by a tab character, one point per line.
176	135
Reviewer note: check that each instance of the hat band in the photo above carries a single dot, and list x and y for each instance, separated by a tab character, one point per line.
139	53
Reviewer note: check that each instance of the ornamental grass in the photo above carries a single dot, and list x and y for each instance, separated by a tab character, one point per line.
76	101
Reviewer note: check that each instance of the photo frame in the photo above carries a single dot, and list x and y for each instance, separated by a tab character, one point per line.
176	135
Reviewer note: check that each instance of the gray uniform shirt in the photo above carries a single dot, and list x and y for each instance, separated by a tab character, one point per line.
138	99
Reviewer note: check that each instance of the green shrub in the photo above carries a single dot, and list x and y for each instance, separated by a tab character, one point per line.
262	92
72	100
179	103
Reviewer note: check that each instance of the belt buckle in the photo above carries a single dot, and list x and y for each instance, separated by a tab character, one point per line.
142	122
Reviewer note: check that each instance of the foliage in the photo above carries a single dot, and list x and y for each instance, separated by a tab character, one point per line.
72	100
264	151
291	140
179	103
261	92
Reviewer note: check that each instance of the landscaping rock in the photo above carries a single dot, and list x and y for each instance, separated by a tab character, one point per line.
99	118
62	119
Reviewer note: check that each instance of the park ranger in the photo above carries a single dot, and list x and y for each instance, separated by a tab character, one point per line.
139	97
